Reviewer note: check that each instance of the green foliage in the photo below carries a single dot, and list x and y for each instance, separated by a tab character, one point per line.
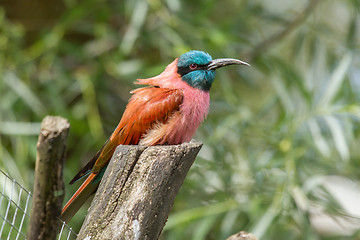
273	129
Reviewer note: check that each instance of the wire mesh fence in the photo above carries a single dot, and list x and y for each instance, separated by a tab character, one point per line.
15	204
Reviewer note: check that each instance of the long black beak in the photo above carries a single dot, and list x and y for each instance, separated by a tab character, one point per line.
222	62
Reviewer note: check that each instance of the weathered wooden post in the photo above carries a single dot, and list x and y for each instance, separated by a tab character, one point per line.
48	185
137	191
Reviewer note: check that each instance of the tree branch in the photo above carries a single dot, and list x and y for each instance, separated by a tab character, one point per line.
290	26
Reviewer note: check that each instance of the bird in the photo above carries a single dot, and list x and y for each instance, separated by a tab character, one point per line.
167	111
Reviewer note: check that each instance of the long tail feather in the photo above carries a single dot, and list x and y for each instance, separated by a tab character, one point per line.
78	199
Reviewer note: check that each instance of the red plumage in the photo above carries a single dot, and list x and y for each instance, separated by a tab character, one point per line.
152	114
168	111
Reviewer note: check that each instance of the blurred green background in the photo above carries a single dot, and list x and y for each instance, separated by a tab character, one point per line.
281	155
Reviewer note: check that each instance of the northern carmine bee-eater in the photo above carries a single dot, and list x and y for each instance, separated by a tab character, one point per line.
167	111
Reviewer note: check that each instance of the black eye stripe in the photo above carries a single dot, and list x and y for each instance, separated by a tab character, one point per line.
185	70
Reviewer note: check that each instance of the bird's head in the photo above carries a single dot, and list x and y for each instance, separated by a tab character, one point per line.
197	68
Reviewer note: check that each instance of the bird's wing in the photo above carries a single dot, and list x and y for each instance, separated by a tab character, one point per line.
79	198
147	106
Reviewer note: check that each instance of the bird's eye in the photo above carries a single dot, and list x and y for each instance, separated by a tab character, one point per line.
193	66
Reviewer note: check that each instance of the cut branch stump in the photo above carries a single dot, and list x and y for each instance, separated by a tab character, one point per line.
137	191
48	184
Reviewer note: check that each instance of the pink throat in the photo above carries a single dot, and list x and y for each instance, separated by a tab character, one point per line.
193	110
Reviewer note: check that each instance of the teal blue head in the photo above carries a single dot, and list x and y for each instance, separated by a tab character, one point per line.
197	68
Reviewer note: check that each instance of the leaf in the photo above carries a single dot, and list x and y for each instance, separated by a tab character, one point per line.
137	21
283	94
200	212
20	128
338	136
24	92
336	79
318	138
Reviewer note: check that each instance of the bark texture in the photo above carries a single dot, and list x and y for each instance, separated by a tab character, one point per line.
48	185
137	191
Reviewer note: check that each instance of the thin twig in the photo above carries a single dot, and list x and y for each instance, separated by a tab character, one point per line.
290	26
